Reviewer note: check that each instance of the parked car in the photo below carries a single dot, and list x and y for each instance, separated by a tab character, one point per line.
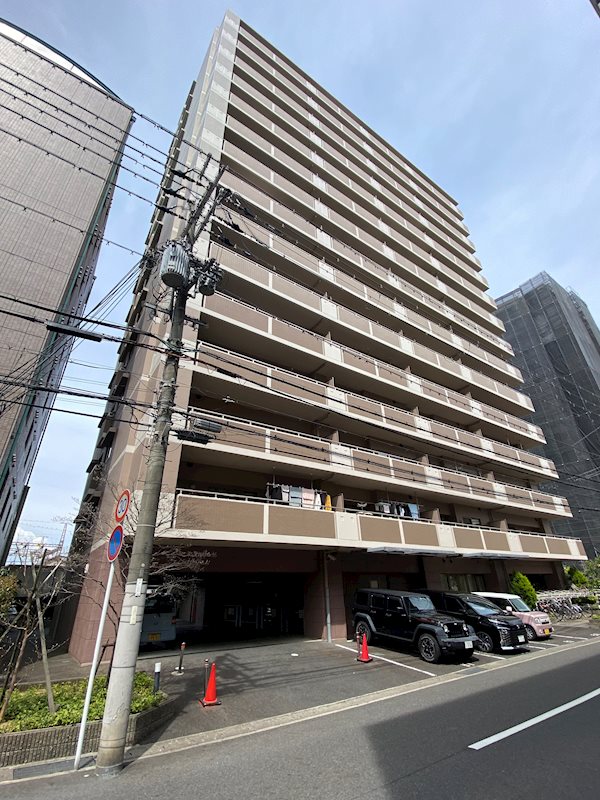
537	623
158	625
410	618
495	629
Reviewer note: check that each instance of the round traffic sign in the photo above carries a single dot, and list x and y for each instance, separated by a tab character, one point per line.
122	506
115	542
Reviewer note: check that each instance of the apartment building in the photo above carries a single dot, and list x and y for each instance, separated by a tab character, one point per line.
61	137
557	348
372	423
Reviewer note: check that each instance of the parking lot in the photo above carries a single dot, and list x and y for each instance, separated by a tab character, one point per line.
258	680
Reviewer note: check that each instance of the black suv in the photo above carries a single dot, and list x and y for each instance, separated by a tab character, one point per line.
495	629
410	618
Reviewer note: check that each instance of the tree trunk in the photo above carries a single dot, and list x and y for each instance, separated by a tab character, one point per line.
49	692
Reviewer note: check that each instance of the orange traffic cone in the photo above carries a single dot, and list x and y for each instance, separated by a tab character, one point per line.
210	695
364	656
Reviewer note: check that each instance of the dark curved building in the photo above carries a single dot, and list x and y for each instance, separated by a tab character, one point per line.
61	139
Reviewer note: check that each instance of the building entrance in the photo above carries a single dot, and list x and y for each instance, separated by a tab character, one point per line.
251	606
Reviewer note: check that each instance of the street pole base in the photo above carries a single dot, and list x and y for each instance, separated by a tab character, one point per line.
111	771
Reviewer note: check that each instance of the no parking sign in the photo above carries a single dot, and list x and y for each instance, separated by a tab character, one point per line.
115	543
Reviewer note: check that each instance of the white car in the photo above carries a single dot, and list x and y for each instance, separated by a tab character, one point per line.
537	623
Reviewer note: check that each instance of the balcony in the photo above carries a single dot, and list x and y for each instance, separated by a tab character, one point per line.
298	142
250	108
286	258
247	278
326	105
256	383
338	237
272	339
303	232
347	184
267	92
249	445
250	521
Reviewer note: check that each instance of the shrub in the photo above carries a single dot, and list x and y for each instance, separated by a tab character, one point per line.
521	585
575	577
28	707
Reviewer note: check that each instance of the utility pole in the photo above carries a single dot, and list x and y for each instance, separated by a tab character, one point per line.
182	272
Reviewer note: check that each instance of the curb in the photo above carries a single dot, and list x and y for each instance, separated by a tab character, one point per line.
170	746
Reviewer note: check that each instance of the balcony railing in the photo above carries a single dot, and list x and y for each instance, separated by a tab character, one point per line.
275	445
259	379
397	165
348	364
243	520
340	317
336	251
296	145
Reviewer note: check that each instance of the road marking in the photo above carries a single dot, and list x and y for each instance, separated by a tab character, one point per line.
180	744
534	721
534	647
547	644
389	661
489	655
562	636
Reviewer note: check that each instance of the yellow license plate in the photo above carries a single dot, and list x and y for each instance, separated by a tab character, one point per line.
546	631
154	637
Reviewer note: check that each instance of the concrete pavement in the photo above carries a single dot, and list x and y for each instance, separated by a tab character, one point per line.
415	745
258	681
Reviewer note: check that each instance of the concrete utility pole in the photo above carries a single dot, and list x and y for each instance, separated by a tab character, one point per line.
180	271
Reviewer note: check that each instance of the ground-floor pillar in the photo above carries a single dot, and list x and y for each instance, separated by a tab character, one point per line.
315	605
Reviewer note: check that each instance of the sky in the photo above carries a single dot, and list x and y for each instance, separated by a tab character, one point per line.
498	101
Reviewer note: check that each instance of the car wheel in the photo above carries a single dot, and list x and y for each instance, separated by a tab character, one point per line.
362	628
531	635
486	643
429	649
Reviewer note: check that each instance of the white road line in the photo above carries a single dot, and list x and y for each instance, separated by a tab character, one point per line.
546	644
534	647
534	721
562	636
489	655
389	661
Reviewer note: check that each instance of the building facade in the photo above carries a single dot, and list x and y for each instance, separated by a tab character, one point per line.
557	348
372	426
61	138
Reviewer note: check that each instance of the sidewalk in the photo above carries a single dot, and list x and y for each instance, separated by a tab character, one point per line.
261	679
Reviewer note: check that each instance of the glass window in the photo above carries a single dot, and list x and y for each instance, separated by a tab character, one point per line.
396	604
454	604
518	604
482	607
378	601
463	583
420	603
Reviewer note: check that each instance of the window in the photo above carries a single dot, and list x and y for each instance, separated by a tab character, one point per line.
378	601
420	603
396	604
454	604
463	583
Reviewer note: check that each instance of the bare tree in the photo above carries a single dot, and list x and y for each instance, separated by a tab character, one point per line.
49	579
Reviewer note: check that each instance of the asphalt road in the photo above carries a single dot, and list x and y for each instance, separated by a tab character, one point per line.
413	746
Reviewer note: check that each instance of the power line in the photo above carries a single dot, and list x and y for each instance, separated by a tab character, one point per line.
103	178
